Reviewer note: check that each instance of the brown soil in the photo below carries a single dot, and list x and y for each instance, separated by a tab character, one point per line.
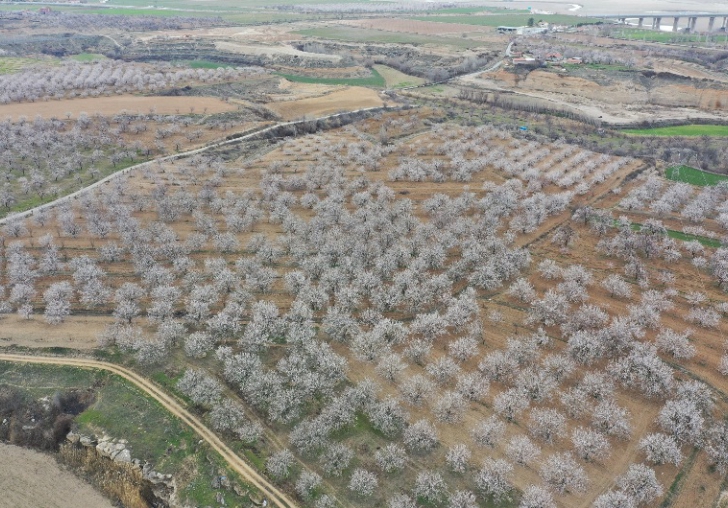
114	105
348	99
29	479
79	332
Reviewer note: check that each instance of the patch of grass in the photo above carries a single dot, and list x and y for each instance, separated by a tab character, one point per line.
510	19
204	64
598	67
397	79
682	130
88	57
375	80
693	176
644	34
352	34
44	380
11	64
679	235
255	459
708	242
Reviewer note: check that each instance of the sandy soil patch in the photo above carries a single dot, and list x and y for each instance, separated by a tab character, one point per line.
30	479
269	33
249	49
78	332
114	105
348	99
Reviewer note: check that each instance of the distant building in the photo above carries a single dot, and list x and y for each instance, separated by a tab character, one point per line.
522	30
553	57
526	60
573	60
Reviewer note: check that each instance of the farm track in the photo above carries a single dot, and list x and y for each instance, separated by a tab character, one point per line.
275	496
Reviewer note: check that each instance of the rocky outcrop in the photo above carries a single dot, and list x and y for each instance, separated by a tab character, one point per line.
107	463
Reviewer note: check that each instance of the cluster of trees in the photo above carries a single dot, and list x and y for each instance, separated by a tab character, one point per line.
373	279
121	23
667	199
44	158
74	79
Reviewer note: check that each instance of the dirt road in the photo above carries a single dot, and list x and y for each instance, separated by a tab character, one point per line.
274	496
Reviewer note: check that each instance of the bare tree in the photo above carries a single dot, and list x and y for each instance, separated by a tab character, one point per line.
457	458
522	450
58	302
363	483
536	497
430	486
421	436
563	474
494	478
661	449
391	458
488	432
641	484
590	445
279	464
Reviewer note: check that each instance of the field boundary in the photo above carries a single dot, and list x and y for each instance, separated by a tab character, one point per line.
239	465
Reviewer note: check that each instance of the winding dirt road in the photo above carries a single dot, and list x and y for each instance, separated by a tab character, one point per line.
274	496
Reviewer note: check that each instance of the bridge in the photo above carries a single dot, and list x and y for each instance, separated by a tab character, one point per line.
657	17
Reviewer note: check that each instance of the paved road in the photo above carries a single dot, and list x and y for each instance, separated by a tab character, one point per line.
274	496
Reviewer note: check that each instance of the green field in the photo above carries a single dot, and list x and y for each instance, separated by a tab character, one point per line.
693	176
122	411
10	64
397	79
88	57
682	130
645	34
375	80
509	19
679	235
365	35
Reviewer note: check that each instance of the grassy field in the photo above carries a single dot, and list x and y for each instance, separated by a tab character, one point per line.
363	35
375	80
124	412
88	57
11	64
508	19
643	34
682	130
395	78
693	176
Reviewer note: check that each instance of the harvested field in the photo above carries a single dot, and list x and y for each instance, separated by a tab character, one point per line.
415	26
350	98
29	479
114	105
